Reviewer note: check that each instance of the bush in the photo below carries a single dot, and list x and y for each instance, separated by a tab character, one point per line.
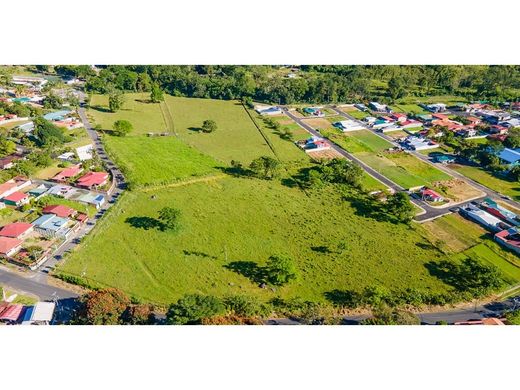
193	308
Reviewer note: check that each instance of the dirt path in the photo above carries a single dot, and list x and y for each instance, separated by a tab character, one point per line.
204	179
168	118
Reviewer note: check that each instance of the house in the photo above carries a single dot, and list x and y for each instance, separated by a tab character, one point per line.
513	122
59	210
82	218
8	161
15	184
382	122
57	115
399	117
509	156
437	107
9	246
11	313
268	110
313	144
419	143
484	218
39	314
62	191
504	214
85	152
68	173
430	195
444	159
16	199
93	199
348	125
50	225
27	128
39	191
509	238
67	156
494	117
316	111
410	123
92	179
377	107
370	119
361	107
18	230
498	129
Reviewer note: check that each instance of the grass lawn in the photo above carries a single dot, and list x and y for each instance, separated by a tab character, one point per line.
371	184
158	160
403	169
236	137
12	125
357	114
509	188
8	215
82	208
410	108
49	172
218	229
360	141
145	117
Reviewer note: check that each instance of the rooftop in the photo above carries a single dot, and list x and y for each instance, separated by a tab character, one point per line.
59	210
15	229
8	243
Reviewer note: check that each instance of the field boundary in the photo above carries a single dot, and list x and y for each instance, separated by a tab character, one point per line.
267	140
202	179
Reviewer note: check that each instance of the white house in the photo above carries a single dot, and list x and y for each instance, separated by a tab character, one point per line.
348	125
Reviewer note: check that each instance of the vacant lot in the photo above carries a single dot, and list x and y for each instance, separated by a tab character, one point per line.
357	114
360	141
403	169
156	160
246	221
457	190
509	188
145	117
318	123
236	137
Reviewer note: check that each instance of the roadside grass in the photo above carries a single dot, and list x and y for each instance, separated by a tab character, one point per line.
145	117
369	183
247	220
236	137
509	188
158	160
20	298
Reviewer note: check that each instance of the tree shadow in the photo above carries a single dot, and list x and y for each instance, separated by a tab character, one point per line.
195	129
145	223
321	249
445	271
236	171
101	109
145	101
249	269
368	207
198	254
344	298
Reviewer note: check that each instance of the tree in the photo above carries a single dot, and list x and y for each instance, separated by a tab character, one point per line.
116	100
193	308
209	126
170	218
53	101
138	315
399	206
246	306
48	134
265	167
122	127
102	307
7	147
280	270
156	95
513	317
396	88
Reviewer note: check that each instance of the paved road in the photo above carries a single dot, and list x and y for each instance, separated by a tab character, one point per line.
429	211
35	282
33	286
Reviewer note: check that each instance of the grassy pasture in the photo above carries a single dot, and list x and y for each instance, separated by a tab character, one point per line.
217	230
157	160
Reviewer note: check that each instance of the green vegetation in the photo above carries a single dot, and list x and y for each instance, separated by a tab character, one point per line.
56	200
121	128
145	117
333	244
358	114
158	160
361	141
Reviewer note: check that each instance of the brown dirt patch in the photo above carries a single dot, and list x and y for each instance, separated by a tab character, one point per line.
318	123
328	154
457	190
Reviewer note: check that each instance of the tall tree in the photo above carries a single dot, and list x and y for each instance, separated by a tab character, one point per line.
116	100
209	126
122	127
170	218
265	167
280	270
156	95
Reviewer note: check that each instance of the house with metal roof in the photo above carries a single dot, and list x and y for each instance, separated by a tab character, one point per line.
509	156
39	314
50	225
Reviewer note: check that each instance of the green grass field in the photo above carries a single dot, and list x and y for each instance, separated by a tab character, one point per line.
145	117
358	114
509	188
217	230
236	138
158	160
360	141
403	169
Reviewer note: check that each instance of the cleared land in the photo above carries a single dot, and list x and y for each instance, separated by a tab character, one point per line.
236	137
158	160
218	230
509	188
144	116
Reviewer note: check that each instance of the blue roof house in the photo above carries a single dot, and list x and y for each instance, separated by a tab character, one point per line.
510	157
50	225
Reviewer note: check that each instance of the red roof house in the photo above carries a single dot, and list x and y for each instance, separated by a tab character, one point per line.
68	173
59	210
16	230
82	217
92	179
9	246
431	195
12	313
16	199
